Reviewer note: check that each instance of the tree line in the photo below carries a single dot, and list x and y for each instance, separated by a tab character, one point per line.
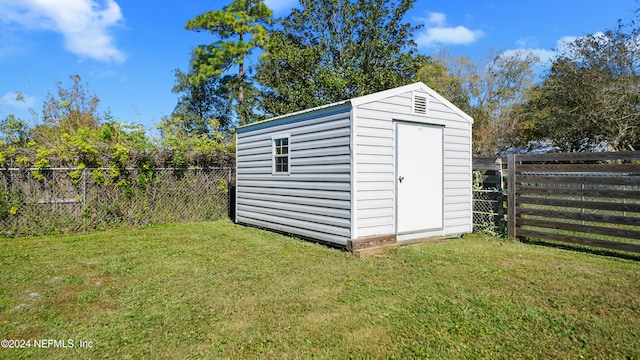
72	132
331	50
326	51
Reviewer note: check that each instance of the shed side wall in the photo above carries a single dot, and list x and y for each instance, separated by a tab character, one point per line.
376	163
314	200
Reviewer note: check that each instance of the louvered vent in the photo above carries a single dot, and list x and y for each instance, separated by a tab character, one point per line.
420	105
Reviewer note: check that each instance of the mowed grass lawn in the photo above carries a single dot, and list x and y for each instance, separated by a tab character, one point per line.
218	290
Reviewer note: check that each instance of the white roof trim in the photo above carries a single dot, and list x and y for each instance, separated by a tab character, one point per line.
371	98
297	113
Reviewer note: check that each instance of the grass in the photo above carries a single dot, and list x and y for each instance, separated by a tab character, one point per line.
217	290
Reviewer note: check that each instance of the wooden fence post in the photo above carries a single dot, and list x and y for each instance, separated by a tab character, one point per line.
511	196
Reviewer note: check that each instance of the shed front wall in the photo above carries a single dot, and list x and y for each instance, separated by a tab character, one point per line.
375	178
314	199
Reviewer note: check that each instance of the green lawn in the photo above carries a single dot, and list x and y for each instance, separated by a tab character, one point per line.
217	290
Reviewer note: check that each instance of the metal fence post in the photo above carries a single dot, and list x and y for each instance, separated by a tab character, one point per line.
84	189
500	210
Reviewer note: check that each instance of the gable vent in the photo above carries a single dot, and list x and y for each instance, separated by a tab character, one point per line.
420	104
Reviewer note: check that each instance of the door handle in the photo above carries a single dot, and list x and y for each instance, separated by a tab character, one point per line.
400	178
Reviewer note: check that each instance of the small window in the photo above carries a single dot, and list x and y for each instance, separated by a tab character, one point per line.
281	155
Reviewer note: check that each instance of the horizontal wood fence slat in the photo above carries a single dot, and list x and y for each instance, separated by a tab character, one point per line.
617	194
584	180
587	229
609	219
592	205
580	156
495	164
570	194
580	168
581	240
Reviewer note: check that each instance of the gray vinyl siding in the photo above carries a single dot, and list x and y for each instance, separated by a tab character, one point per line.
457	170
341	183
375	179
314	199
375	156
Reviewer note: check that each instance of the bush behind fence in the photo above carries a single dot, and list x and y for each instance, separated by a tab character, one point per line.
37	201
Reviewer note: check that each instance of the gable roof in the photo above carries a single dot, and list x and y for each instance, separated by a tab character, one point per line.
357	101
407	88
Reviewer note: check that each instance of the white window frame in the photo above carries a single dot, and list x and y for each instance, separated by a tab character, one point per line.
274	155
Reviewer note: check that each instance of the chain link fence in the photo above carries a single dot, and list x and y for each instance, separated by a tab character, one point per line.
38	201
65	200
489	212
489	196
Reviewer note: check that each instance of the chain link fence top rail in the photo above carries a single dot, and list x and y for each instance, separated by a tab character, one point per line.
63	200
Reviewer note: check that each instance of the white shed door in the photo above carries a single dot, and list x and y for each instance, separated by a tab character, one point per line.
419	179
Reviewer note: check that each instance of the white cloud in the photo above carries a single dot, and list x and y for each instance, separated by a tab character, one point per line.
281	7
437	32
437	19
84	24
545	55
526	42
562	43
18	100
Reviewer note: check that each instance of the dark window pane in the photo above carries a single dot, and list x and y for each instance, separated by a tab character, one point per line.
281	149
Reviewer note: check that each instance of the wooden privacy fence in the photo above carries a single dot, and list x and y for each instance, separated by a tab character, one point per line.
490	172
582	198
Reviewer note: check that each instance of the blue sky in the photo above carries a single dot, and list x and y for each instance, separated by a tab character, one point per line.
127	50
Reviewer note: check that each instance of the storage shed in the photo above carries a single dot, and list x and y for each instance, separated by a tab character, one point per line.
390	167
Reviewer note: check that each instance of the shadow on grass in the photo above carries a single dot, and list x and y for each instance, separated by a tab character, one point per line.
583	249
